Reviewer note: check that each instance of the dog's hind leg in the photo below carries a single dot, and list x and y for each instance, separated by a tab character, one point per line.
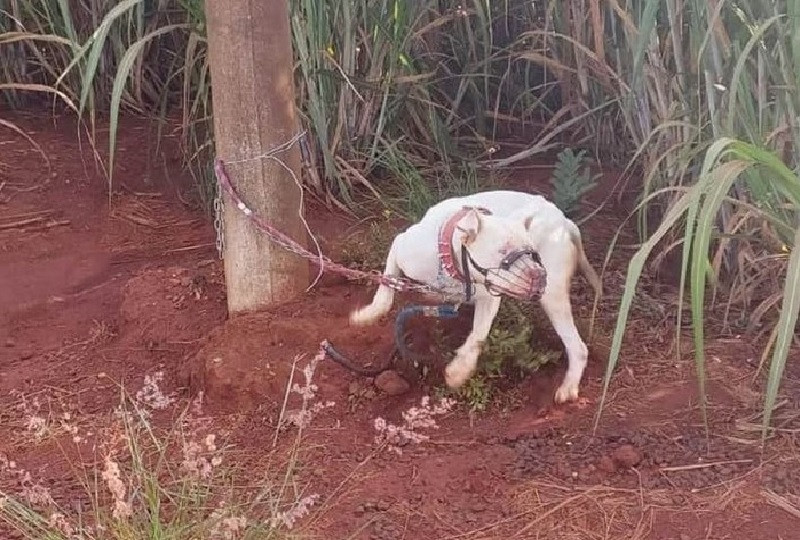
384	296
560	260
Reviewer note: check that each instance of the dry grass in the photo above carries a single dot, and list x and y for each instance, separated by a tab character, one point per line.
142	481
602	512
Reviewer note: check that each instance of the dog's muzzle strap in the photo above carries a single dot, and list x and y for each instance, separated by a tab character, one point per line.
466	259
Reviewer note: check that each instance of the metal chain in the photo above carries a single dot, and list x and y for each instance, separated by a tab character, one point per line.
219	224
279	238
287	243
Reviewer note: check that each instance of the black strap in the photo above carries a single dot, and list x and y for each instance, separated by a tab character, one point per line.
465	258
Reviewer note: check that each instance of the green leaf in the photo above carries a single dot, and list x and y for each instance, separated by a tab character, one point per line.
123	72
97	41
721	180
786	325
635	267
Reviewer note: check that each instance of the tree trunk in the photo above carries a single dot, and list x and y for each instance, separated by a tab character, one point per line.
250	54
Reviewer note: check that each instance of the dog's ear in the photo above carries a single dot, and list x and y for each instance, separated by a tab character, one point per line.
527	222
469	226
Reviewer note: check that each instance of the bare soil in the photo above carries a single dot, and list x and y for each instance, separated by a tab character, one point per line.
100	292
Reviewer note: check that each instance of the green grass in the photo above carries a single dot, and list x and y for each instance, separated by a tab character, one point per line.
101	58
511	352
714	163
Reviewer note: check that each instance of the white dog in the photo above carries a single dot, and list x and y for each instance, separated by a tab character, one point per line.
491	225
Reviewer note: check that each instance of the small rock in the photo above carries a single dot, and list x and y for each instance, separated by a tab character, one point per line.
10	342
607	464
627	456
391	383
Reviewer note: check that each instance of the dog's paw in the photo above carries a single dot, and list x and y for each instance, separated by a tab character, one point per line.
361	317
566	392
455	375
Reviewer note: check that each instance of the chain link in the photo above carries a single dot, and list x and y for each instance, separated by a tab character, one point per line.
219	225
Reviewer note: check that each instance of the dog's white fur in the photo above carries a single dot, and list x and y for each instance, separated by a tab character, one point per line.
518	221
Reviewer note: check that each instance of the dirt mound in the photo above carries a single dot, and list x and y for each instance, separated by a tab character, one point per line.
245	363
155	302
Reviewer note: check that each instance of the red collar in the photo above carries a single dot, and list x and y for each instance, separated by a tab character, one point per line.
446	255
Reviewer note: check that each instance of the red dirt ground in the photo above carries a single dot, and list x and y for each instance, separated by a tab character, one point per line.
95	294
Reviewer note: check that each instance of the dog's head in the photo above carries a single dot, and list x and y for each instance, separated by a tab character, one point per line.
499	254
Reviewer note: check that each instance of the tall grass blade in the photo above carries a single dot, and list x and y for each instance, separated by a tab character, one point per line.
720	179
786	331
123	73
98	41
635	267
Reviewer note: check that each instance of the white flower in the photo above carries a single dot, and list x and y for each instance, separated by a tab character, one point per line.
57	520
300	509
151	395
413	419
111	475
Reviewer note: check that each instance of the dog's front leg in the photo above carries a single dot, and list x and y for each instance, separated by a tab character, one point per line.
463	365
384	296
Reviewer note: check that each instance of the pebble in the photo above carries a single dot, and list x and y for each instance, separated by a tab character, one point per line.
597	459
607	464
627	456
391	383
10	342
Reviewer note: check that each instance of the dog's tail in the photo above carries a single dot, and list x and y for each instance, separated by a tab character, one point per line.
584	264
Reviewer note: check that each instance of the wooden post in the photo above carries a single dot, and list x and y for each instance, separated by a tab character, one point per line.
250	53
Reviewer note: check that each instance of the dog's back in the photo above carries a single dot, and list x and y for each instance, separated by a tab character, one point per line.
499	202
